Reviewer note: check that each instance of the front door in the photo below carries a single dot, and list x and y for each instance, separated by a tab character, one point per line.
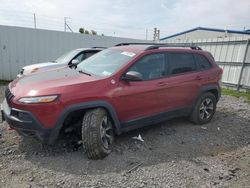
137	99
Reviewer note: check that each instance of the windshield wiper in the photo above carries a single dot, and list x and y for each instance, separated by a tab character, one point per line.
84	72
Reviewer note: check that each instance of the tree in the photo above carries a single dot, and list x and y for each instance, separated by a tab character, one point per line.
84	31
81	30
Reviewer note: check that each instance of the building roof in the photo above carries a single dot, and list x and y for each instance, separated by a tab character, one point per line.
246	32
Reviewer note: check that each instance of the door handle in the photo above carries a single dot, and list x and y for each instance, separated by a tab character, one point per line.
160	84
198	78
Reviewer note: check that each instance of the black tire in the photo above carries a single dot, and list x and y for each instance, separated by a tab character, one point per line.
95	143
202	114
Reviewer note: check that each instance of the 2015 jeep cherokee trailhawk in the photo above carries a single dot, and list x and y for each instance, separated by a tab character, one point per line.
121	88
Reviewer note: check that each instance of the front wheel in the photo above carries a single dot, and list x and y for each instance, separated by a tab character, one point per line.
97	133
204	109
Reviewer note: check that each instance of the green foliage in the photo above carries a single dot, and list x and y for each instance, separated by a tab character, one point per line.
85	31
237	93
81	30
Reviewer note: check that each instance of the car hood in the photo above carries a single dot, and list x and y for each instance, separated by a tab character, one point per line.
38	65
49	82
41	67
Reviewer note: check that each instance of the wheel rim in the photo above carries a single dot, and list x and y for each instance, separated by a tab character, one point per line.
106	132
206	108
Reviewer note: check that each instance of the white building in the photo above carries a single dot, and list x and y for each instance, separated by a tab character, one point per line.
230	48
206	33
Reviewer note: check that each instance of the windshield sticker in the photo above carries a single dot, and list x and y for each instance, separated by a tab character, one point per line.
130	54
106	73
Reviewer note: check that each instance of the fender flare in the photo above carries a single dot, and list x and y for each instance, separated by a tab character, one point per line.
82	106
207	88
210	87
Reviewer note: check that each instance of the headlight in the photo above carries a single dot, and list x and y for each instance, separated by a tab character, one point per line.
41	99
34	70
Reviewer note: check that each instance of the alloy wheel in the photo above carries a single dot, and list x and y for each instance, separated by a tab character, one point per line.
206	108
106	132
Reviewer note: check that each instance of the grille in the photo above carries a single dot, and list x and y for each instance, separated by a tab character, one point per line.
8	95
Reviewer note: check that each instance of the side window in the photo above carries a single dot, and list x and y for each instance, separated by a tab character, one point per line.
150	66
79	57
202	62
88	54
181	63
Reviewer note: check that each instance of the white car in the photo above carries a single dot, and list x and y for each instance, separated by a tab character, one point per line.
71	58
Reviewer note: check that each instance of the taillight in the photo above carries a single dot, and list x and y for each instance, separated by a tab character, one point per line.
221	70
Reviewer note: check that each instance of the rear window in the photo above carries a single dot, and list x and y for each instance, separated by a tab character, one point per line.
181	63
202	62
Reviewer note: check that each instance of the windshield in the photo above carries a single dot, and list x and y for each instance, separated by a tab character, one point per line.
67	57
105	63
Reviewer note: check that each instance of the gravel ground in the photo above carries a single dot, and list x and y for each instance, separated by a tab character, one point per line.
175	153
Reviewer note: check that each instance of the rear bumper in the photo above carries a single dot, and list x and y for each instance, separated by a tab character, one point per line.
25	123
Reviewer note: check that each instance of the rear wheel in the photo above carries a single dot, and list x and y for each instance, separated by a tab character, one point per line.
204	109
97	133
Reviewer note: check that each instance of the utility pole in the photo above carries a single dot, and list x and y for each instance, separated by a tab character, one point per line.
34	20
69	28
156	36
66	24
147	34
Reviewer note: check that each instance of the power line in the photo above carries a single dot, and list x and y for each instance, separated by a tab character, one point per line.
28	19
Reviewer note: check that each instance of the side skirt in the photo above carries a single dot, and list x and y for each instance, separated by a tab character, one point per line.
150	120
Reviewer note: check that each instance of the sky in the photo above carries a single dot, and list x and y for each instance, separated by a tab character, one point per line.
127	18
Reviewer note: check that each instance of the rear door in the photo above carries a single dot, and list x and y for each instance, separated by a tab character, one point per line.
204	67
183	80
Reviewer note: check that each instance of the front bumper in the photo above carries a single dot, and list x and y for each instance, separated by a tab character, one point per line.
25	123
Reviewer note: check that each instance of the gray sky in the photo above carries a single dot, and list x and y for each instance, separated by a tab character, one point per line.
128	18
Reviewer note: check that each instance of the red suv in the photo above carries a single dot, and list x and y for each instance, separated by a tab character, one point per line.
119	89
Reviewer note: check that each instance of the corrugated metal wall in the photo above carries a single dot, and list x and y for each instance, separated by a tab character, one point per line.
232	54
24	46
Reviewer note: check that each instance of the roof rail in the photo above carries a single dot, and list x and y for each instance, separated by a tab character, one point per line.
193	47
135	43
159	45
99	47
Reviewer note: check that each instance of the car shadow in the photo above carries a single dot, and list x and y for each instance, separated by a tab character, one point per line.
173	140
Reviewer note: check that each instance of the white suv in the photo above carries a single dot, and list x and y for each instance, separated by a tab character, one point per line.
71	58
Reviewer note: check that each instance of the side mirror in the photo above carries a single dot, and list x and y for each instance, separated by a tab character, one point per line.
132	76
75	62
